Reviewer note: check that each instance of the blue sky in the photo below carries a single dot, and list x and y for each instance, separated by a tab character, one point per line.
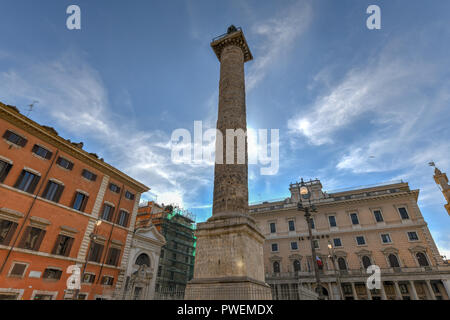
353	106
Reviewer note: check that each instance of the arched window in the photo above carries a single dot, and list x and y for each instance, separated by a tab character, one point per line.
423	262
393	261
342	264
276	267
296	266
143	259
366	262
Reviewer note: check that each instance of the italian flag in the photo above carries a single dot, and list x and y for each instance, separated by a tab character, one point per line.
319	262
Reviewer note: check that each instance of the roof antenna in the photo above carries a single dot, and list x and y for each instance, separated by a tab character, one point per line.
31	107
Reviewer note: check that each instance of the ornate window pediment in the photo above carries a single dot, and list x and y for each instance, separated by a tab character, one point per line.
389	250
295	257
363	252
417	249
275	258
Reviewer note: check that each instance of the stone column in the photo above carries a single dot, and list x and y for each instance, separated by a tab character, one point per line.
430	290
398	294
330	291
369	294
355	296
446	283
229	258
383	292
413	290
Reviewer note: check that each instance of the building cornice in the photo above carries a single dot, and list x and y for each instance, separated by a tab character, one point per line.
16	118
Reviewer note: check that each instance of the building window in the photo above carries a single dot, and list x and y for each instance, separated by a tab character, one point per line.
366	262
89	175
43	297
88	278
63	245
412	236
162	254
313	226
332	220
41	152
7	229
123	218
113	257
64	163
107	280
422	259
393	261
294	245
5	167
273	227
378	216
297	266
347	289
337	242
360	240
53	191
403	213
27	181
107	213
32	238
159	271
386	238
172	275
18	270
114	188
96	252
274	247
291	225
52	274
276	267
80	201
15	138
129	195
403	288
341	263
143	260
354	218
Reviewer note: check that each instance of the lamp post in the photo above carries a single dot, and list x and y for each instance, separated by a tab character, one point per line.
305	194
332	256
92	236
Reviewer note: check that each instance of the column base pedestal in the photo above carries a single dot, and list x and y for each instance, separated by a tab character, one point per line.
232	288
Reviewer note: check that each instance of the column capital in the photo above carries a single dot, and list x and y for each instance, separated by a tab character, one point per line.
235	38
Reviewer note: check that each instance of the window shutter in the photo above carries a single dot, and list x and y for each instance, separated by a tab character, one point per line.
58	161
22	142
55	247
83	206
6	134
39	240
58	193
70	166
44	194
35	148
100	252
69	247
19	179
24	237
49	155
10	234
94	177
34	183
127	216
5	172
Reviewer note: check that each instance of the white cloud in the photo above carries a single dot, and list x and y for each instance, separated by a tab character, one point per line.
72	96
278	34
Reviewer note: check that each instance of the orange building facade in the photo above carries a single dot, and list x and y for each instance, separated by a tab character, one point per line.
60	206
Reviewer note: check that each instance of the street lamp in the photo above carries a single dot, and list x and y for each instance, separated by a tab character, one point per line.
92	236
332	256
305	194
